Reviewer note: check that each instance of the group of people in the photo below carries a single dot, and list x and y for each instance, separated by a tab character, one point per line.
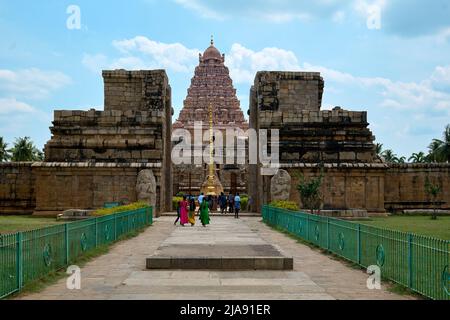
187	208
230	203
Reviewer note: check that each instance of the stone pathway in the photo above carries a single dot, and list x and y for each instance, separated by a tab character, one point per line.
121	273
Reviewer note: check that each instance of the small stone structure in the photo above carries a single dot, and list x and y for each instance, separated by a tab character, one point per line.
146	187
280	186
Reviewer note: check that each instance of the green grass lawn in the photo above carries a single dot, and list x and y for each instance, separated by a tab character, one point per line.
422	225
10	224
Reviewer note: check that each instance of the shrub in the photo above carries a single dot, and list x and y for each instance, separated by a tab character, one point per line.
175	201
288	205
244	203
129	207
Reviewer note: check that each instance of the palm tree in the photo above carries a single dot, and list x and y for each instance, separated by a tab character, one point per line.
389	156
399	160
379	149
441	148
417	157
4	154
25	150
432	154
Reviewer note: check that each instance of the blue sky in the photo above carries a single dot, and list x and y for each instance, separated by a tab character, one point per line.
396	67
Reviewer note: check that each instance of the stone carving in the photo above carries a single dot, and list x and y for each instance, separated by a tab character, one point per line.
280	186
146	187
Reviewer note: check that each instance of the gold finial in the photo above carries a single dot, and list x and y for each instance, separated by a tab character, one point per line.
212	40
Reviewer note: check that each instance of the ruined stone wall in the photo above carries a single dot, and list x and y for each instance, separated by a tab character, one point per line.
134	128
285	91
62	186
110	136
405	186
135	90
345	186
17	191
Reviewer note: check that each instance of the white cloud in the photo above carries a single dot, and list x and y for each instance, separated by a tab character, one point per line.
96	63
200	8
11	105
429	95
244	63
32	83
172	56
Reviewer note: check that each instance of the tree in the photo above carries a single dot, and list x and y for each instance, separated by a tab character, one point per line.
4	153
310	191
418	157
433	191
389	156
399	160
25	150
379	149
440	149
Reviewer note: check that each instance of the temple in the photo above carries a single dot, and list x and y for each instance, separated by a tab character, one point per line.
210	86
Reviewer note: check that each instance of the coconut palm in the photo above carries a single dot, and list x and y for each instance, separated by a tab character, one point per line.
25	150
399	160
389	156
440	149
417	157
379	149
4	154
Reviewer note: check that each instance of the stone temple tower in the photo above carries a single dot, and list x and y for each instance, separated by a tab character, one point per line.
211	86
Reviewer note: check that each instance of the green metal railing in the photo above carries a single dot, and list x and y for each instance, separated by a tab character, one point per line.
30	255
417	262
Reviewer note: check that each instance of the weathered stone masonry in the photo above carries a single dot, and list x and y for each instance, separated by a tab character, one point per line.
341	140
95	157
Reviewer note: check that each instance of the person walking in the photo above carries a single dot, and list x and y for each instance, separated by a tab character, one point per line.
178	213
200	199
204	213
237	205
230	203
184	209
223	203
192	211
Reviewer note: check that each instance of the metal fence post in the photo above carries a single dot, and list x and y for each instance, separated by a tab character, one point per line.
115	227
410	266
328	233
66	237
358	244
19	261
96	232
307	227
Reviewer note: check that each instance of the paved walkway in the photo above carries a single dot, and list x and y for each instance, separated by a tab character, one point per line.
121	273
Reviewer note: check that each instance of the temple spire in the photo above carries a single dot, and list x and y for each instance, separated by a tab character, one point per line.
212	40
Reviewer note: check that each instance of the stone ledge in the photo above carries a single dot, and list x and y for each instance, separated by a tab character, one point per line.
336	165
220	263
95	165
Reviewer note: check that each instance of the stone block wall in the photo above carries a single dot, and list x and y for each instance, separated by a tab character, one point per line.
405	186
17	188
284	91
135	90
114	135
62	186
345	186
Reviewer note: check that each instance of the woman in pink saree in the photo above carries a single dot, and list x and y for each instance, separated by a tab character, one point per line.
184	211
